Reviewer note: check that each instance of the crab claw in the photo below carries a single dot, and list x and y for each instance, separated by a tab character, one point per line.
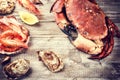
108	40
62	22
106	50
71	31
116	30
66	27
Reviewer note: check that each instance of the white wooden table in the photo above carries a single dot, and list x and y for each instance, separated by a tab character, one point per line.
47	36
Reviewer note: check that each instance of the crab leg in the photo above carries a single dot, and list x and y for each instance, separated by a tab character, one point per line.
107	48
59	16
114	27
109	40
110	46
61	20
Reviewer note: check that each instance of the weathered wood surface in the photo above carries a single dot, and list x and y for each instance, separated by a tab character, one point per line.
46	35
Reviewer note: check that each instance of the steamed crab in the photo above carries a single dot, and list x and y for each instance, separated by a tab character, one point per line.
86	25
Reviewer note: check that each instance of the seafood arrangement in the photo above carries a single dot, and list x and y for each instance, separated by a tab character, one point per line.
51	60
13	36
86	25
83	21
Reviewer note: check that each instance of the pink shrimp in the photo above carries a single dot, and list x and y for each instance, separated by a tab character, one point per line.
9	49
12	39
30	6
13	35
18	29
13	24
3	27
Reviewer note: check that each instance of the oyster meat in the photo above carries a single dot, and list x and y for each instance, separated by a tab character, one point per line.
51	60
7	6
16	69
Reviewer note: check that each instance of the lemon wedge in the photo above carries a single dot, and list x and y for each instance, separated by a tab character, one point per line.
28	18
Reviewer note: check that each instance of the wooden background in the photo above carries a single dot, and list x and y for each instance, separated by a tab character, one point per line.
47	36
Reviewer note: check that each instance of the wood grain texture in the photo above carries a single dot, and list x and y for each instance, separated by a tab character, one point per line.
46	35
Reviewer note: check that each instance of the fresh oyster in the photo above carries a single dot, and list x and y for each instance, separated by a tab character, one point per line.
16	69
51	60
7	6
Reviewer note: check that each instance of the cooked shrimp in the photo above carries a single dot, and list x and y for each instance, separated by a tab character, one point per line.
9	49
13	36
12	39
10	34
3	27
13	43
18	29
30	6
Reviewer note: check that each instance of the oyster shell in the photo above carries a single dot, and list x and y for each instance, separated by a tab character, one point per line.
7	6
16	69
51	60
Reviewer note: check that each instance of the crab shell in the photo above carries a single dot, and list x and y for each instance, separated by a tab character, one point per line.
86	25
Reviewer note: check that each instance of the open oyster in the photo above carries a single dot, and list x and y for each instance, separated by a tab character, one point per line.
7	6
16	69
51	60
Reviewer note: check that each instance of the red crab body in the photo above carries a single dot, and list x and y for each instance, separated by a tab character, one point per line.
86	25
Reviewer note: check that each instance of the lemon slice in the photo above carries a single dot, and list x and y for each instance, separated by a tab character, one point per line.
28	18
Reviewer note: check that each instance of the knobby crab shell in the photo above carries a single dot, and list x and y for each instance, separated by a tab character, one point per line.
86	25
